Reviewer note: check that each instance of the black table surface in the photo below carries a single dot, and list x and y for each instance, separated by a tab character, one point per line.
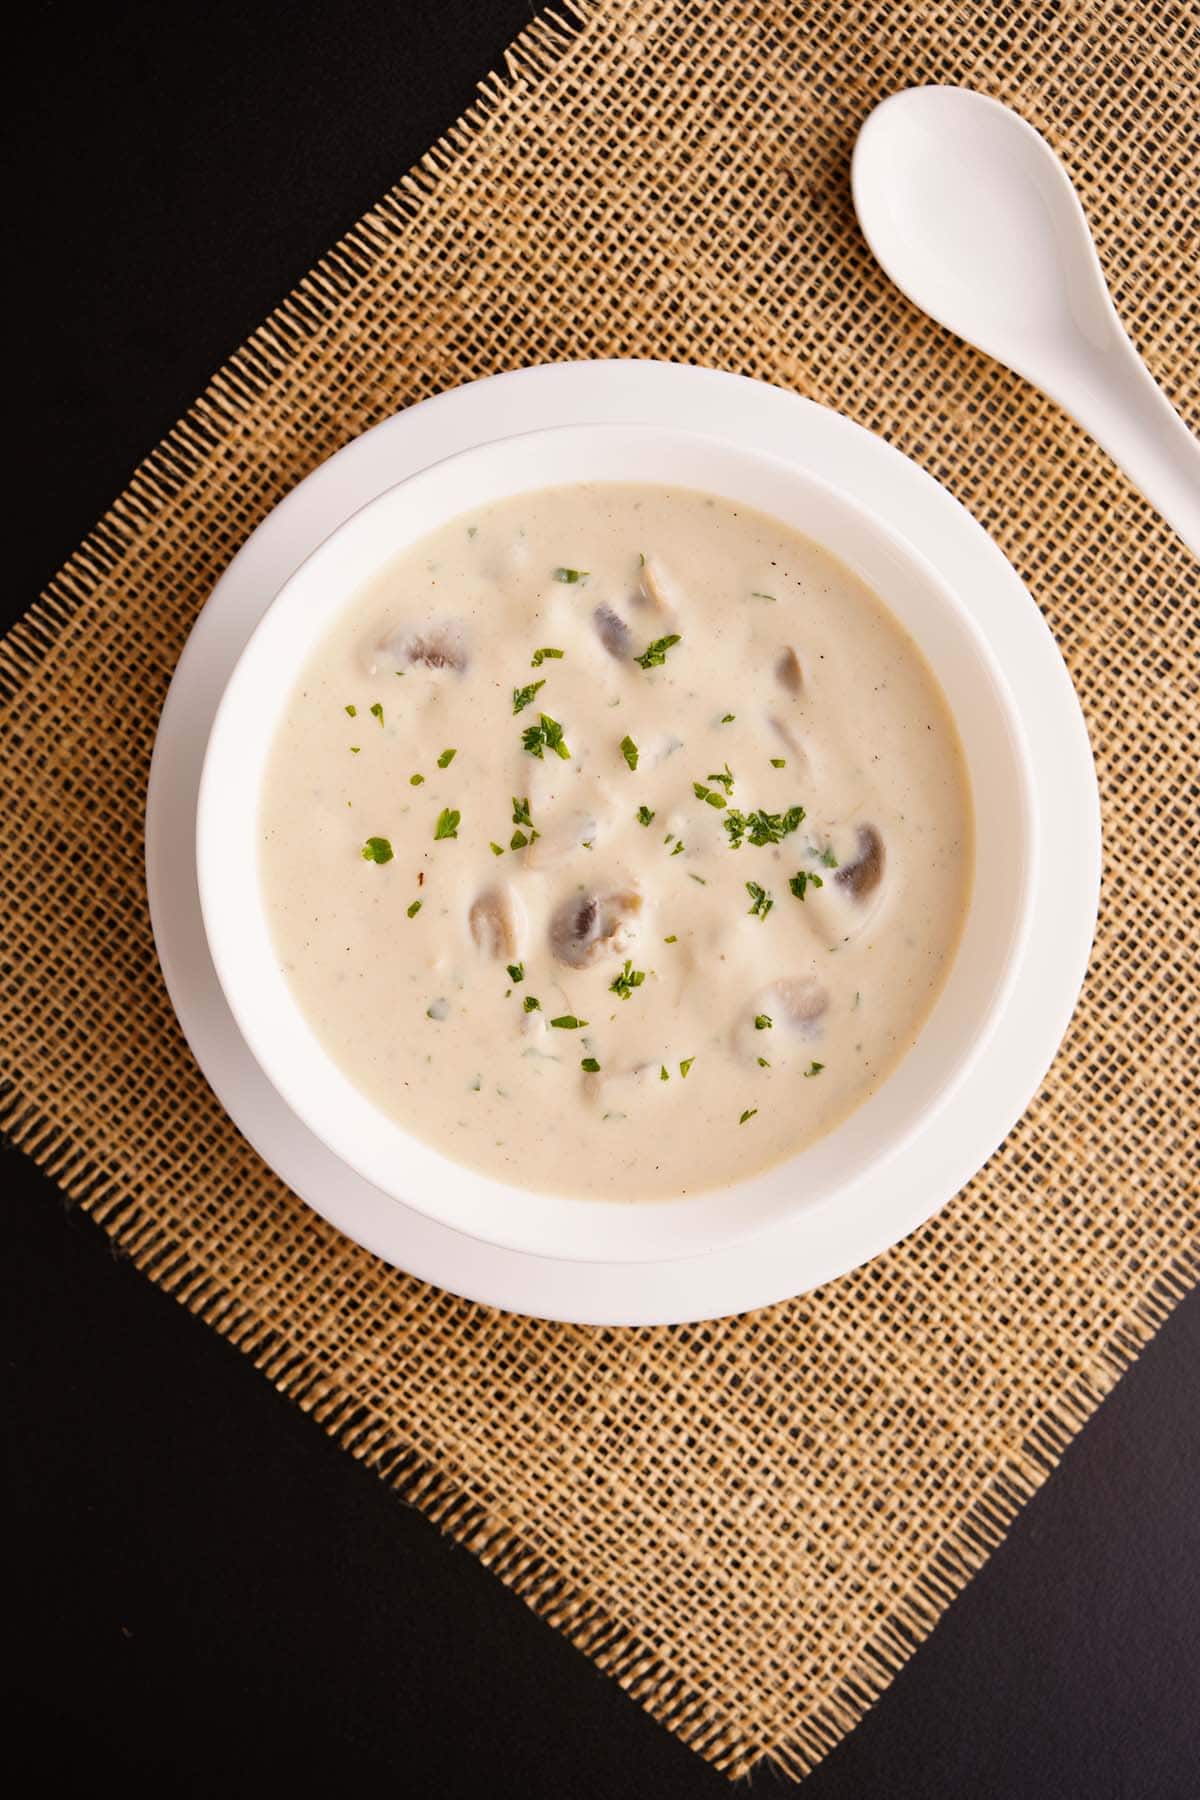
204	1593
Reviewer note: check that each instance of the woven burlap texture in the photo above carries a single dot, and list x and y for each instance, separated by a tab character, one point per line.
752	1523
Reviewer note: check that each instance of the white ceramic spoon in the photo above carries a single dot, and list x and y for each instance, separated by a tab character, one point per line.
974	218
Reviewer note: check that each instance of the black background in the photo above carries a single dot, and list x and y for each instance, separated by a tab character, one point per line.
203	1593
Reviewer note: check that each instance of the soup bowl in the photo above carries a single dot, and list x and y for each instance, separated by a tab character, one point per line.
920	1088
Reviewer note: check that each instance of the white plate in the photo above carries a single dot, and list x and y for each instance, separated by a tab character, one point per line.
822	1241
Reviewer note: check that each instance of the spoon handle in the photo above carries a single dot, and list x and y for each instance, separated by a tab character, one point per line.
1113	395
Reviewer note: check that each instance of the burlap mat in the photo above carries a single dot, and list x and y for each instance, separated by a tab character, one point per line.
751	1524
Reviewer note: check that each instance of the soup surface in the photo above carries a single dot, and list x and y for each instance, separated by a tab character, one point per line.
616	840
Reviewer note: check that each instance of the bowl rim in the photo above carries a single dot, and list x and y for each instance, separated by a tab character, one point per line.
308	1102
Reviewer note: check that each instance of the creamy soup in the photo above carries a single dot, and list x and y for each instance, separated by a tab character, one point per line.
616	840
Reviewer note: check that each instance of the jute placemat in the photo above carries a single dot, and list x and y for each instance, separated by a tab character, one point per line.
751	1524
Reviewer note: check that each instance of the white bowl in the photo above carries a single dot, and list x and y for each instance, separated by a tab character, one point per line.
398	1163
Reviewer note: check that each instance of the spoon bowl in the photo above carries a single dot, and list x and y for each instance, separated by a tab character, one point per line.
972	215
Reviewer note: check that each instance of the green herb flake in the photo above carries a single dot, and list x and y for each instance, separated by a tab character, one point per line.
673	939
779	762
523	696
516	971
517	841
376	712
446	758
377	850
679	847
496	849
541	656
355	749
448	822
707	794
813	1069
699	878
728	718
802	880
684	1066
415	780
762	901
828	858
655	654
763	1063
520	814
414	909
748	1114
571	575
662	1072
532	1005
352	712
757	594
643	815
624	983
629	751
761	827
568	1022
590	1065
762	1022
547	734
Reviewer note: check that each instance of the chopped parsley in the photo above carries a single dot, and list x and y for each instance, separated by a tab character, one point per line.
762	901
571	575
521	812
707	794
813	1069
692	876
376	712
546	735
673	939
685	1065
377	850
532	1005
522	696
414	909
629	978
415	780
728	718
629	751
803	879
724	779
354	749
568	1022
446	758
761	827
516	971
496	849
757	594
828	858
655	654
779	762
517	841
662	1072
763	1063
541	656
762	1022
643	815
352	712
748	1114
679	847
591	1065
448	821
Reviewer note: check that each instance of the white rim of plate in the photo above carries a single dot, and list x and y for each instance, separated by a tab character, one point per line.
816	1244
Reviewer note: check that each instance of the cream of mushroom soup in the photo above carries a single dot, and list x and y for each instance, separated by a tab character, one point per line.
616	841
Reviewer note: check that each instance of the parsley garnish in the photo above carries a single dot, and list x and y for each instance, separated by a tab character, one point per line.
376	711
828	858
761	827
803	879
748	1114
354	749
728	718
679	846
532	1005
546	735
694	877
446	758
414	909
352	711
377	850
779	762
570	575
521	812
762	1022
516	971
568	1022
762	900
496	849
629	978
629	751
591	1065
763	1063
448	821
522	696
813	1069
673	939
415	780
655	654
517	841
540	656
685	1065
703	793
662	1072
755	594
643	815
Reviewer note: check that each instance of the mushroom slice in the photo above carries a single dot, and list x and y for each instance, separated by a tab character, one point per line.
612	631
654	589
589	926
497	923
788	672
793	1002
861	877
439	644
